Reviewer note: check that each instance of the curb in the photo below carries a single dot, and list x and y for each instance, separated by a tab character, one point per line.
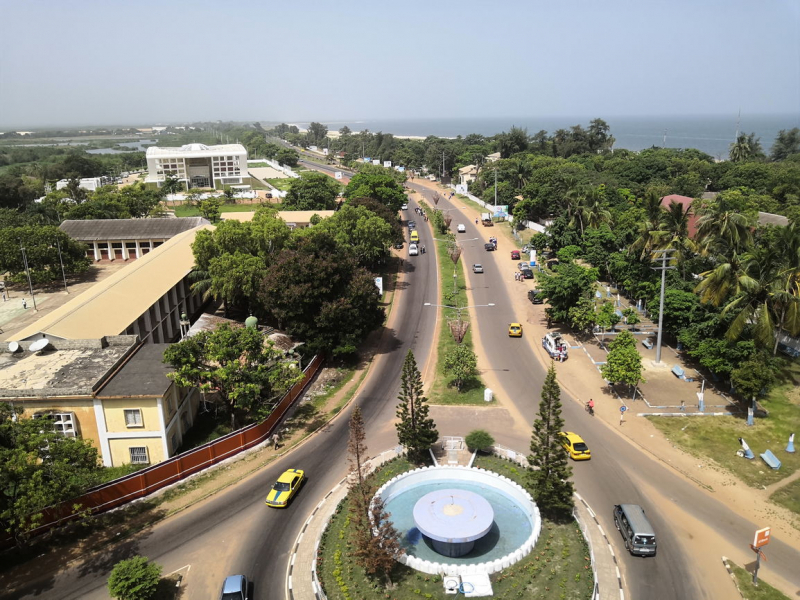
610	551
726	562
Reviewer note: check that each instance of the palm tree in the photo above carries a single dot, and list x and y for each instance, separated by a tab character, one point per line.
740	150
723	230
673	232
521	171
594	207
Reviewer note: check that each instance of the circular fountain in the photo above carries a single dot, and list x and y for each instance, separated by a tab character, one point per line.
453	519
461	520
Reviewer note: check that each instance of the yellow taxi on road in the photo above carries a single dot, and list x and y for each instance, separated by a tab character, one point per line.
575	446
514	330
285	488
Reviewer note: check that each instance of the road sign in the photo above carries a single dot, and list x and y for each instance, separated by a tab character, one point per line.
623	408
338	174
761	538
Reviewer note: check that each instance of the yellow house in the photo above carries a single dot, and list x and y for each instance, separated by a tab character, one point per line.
113	391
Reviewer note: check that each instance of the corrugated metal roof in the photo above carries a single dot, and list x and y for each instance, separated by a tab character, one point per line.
93	230
110	306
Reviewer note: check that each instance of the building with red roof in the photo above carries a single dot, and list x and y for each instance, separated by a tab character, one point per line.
686	202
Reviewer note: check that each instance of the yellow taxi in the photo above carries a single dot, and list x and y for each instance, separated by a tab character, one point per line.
575	446
514	330
285	488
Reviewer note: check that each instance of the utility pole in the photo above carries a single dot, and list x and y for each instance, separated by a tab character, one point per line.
495	190
61	260
28	271
664	257
442	165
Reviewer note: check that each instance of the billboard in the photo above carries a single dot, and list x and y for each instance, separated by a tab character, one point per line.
387	164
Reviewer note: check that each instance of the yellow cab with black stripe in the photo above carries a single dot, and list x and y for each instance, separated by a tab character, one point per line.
285	488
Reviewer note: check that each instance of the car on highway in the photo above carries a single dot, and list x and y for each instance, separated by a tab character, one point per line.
412	225
636	530
527	273
285	488
404	207
514	330
234	588
413	250
477	268
461	228
515	255
489	247
414	237
523	265
574	445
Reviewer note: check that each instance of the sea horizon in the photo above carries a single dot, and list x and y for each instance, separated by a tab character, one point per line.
712	134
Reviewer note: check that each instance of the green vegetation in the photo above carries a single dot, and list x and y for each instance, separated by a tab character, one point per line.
788	496
134	579
312	191
764	591
282	183
478	439
416	432
559	566
717	437
444	389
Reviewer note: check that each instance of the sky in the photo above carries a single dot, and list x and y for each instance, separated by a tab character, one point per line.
106	62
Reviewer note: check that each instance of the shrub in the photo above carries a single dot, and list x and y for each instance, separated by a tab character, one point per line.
479	439
134	579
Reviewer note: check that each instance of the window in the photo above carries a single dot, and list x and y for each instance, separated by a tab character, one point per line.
133	417
139	455
63	423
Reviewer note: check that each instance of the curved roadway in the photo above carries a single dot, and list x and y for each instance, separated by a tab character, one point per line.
233	532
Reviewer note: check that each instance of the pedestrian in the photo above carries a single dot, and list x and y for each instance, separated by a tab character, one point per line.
24	304
424	250
622	410
476	220
683	405
516	276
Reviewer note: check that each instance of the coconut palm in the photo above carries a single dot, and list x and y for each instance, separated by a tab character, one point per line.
673	233
740	150
721	229
520	172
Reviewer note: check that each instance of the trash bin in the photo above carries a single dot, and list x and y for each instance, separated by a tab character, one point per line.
488	395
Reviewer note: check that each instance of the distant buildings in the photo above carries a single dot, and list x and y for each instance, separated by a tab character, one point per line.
90	184
198	165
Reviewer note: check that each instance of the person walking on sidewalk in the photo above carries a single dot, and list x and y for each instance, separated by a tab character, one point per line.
622	410
24	304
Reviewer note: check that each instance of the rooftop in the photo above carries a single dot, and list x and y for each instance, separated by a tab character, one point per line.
198	150
144	374
72	371
91	230
109	307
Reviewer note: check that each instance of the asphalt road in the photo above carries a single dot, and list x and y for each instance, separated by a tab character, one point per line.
233	531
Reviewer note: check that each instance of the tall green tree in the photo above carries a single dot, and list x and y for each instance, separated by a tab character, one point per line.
241	365
462	363
415	430
549	476
623	363
566	287
786	144
312	191
381	187
288	157
41	244
39	467
134	579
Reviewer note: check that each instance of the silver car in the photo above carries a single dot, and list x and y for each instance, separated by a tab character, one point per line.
477	268
234	588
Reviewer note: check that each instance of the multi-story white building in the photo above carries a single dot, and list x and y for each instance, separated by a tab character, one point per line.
198	165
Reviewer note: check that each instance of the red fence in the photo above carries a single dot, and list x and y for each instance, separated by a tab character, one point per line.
147	481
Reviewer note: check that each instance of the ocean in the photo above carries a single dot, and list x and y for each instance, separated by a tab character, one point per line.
710	134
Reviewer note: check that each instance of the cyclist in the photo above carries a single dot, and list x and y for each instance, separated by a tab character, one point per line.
590	406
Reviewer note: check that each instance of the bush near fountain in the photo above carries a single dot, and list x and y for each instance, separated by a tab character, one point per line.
558	568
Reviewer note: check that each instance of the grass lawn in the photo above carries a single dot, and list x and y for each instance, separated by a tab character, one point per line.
718	437
559	567
788	496
764	591
282	183
443	390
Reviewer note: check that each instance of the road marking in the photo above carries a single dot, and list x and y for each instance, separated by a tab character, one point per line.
290	583
291	563
603	533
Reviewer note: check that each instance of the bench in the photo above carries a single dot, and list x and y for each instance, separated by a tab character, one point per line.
678	372
771	460
647	344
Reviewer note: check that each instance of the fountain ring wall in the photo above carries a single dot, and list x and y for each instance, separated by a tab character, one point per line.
464	477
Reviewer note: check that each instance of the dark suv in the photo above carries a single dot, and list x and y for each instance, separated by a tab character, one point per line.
234	588
535	296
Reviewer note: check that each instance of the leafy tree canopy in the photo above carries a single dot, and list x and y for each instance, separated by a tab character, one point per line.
312	191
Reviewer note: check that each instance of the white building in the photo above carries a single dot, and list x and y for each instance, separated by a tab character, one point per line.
89	184
198	165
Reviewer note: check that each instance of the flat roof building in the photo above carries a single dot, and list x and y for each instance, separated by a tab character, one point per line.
198	165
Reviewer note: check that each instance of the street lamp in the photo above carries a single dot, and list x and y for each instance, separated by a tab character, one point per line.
28	272
663	257
455	270
459	331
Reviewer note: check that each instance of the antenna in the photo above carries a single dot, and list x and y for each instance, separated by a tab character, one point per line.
664	143
738	120
39	345
13	346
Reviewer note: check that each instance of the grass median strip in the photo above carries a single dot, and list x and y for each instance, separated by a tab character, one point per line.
454	293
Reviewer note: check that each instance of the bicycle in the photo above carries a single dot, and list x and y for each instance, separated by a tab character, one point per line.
589	409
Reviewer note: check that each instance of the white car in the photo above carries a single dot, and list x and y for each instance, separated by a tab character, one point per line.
413	250
404	207
462	228
476	268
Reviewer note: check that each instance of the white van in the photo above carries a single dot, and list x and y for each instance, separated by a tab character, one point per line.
413	250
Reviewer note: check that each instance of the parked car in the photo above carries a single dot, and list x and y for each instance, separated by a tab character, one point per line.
489	247
461	228
413	250
574	445
285	488
527	273
398	245
515	255
404	207
234	588
477	268
535	296
523	265
514	330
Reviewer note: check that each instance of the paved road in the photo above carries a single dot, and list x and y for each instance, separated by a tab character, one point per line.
234	532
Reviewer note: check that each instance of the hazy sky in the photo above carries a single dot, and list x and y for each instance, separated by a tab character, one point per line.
66	62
